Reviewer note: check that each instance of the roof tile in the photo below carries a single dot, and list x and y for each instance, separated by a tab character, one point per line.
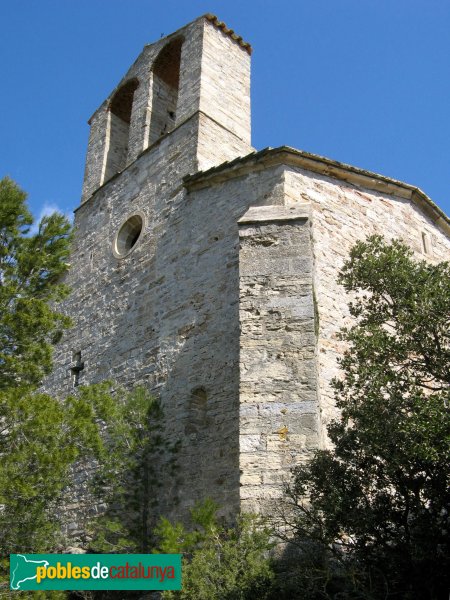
227	31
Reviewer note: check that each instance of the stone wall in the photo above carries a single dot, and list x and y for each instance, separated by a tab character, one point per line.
215	144
225	89
279	425
342	214
167	315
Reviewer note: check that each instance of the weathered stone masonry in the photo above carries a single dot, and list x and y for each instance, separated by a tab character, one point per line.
207	271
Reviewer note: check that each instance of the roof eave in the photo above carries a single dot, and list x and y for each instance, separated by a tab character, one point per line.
324	166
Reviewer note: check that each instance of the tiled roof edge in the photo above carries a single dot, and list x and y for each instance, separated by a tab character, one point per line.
227	31
325	166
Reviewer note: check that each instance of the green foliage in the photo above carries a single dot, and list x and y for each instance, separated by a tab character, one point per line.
37	437
378	505
40	439
137	459
219	562
31	267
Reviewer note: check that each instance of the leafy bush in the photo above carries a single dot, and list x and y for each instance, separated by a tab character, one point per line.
377	505
219	562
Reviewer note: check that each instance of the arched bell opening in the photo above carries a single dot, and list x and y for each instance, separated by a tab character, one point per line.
166	83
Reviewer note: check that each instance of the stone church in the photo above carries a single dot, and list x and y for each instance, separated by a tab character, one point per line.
206	271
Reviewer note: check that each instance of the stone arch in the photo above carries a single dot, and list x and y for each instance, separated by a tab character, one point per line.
166	83
120	108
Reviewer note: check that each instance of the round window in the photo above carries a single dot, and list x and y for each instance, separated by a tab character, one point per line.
128	236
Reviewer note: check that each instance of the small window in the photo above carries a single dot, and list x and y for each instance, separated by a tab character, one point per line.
128	236
426	244
197	411
76	367
199	397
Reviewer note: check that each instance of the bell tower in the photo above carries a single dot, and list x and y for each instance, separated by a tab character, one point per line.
200	72
148	299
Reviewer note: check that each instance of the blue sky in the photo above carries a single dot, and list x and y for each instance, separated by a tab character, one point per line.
366	82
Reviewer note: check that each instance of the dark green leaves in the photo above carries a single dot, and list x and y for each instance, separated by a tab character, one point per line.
31	270
381	497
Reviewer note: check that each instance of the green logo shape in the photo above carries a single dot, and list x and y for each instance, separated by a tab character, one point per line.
95	572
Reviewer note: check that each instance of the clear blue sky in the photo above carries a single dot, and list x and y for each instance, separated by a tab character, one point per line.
366	82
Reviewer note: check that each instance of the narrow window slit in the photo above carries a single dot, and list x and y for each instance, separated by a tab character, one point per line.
76	368
426	243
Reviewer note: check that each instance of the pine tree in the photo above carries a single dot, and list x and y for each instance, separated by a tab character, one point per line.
31	268
40	436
